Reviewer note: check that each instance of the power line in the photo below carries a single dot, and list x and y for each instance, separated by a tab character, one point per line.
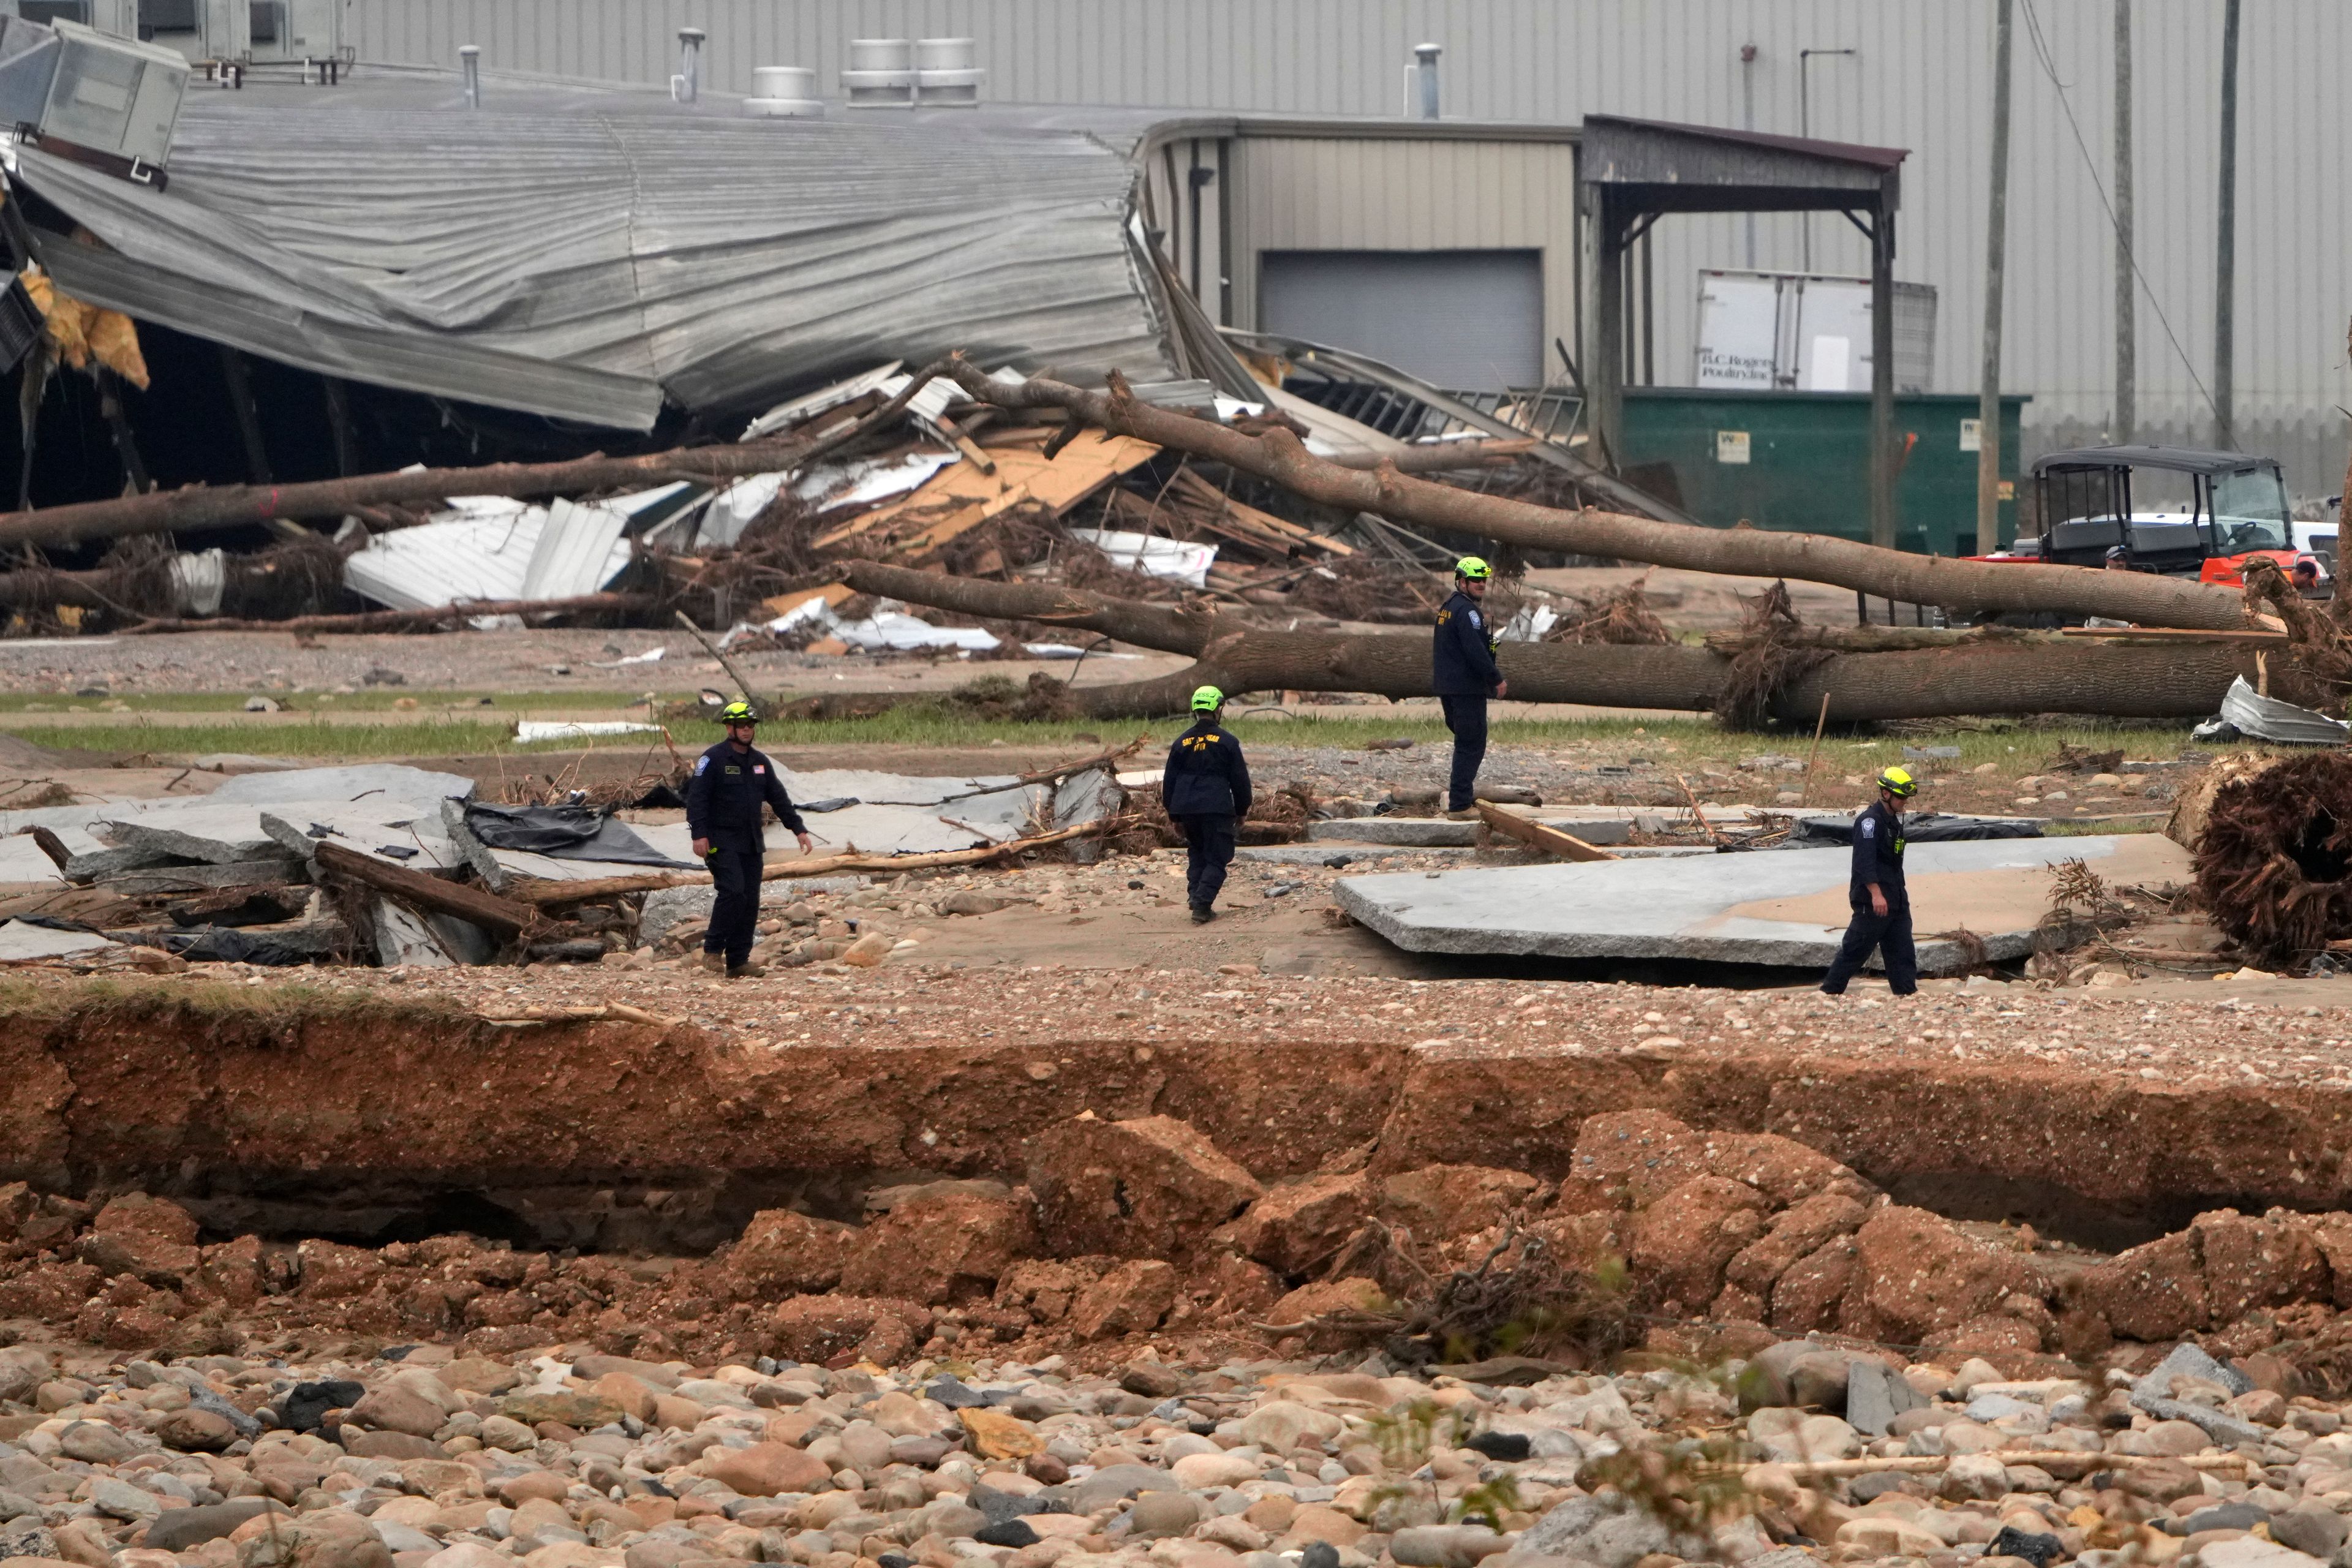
2050	70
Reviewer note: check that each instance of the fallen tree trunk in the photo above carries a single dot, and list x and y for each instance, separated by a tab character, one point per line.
503	918
1969	586
197	508
1999	675
408	620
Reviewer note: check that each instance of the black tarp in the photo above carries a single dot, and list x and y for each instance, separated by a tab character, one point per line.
565	833
1927	828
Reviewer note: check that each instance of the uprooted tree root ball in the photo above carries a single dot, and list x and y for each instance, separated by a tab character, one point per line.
2274	852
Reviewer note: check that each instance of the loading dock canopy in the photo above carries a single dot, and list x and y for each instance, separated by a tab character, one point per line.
1709	168
589	256
1633	172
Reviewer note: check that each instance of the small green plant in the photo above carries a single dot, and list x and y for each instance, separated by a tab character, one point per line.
1487	1502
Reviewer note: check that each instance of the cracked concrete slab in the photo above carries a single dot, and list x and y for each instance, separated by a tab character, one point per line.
1786	907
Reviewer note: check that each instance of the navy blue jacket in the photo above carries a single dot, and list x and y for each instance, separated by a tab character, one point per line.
725	795
1205	776
1462	651
1878	858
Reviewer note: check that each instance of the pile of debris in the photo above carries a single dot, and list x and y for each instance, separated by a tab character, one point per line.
394	864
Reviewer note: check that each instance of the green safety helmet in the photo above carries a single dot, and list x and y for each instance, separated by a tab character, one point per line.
1207	700
738	712
1474	567
1899	783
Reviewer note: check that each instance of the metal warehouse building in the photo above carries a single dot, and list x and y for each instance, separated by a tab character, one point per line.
1294	225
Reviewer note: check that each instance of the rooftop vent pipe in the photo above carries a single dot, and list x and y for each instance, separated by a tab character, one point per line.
945	77
881	73
686	85
1425	73
470	62
784	93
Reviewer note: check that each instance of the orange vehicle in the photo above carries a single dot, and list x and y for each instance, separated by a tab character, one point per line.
2171	510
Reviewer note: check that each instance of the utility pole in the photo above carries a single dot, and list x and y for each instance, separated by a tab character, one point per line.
2225	253
1805	129
1996	249
2126	355
1747	122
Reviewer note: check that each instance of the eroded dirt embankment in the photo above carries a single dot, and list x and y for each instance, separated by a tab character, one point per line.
873	1199
340	1115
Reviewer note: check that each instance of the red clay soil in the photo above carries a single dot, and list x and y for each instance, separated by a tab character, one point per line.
1131	1187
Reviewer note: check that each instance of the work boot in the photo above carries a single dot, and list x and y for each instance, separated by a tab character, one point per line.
1466	814
714	962
746	970
1203	915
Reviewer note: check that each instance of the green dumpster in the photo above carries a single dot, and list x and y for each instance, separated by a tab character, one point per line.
1800	461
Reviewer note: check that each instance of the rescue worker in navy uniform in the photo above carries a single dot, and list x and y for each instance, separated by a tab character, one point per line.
1206	789
1463	672
733	786
1882	908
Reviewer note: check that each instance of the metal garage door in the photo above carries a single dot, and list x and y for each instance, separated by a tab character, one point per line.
1467	320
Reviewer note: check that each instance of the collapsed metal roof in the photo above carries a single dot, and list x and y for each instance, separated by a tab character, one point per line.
579	256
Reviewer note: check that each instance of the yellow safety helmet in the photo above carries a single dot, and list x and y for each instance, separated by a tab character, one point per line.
1474	567
738	712
1899	783
1207	700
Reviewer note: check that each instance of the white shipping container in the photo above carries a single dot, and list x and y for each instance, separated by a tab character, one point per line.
1787	331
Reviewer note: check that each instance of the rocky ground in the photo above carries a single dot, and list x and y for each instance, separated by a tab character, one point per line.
555	1455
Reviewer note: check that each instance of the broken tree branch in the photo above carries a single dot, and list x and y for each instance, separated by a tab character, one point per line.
1969	586
196	508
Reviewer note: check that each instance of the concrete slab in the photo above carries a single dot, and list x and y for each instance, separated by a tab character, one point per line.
1353	854
275	873
1787	908
196	830
21	942
411	792
1408	832
402	939
366	832
901	813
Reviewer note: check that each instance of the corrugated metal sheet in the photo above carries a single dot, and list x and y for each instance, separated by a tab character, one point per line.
584	264
577	551
494	550
1921	78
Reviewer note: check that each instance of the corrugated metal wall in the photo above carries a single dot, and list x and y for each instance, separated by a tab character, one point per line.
1920	78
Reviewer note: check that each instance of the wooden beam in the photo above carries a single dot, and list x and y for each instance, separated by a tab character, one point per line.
503	918
1550	840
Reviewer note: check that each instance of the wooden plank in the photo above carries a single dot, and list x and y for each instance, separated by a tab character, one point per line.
833	594
2169	634
502	918
1195	488
1550	840
915	551
1084	467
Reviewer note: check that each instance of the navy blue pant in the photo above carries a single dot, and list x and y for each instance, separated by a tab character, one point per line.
735	912
1466	717
1891	934
1210	840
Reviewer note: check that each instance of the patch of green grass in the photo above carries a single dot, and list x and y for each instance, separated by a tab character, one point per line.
430	737
380	698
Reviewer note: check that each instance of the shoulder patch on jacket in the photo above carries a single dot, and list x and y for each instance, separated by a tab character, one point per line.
1475	622
702	766
1870	827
